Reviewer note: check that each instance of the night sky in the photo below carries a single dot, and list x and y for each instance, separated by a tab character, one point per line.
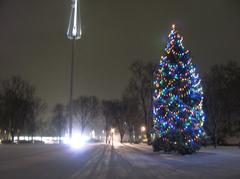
33	42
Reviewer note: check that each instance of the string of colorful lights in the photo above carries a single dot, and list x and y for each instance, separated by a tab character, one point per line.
177	99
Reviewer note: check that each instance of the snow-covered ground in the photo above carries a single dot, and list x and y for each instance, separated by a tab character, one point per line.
100	161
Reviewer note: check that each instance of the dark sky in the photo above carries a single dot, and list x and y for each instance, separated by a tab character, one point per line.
33	43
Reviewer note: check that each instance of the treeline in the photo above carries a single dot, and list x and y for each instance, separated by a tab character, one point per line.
222	102
20	109
127	114
85	112
134	109
23	113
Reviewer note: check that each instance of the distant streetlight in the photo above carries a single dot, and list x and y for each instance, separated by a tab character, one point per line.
93	134
143	129
112	132
73	33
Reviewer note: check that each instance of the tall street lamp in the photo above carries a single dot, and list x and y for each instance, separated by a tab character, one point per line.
73	33
112	132
143	129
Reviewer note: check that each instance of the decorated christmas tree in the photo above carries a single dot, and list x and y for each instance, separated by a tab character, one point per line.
178	116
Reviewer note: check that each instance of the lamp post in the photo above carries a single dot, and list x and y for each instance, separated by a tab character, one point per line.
112	132
143	129
73	33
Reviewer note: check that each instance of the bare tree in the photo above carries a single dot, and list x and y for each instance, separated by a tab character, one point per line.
3	123
115	116
141	86
85	110
106	110
33	122
222	100
213	108
17	97
43	126
132	114
59	121
119	110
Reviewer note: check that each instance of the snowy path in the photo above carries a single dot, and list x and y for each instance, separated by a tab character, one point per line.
124	161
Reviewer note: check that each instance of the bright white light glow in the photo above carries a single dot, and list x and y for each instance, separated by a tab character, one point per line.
77	141
74	32
143	128
93	134
112	130
74	27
